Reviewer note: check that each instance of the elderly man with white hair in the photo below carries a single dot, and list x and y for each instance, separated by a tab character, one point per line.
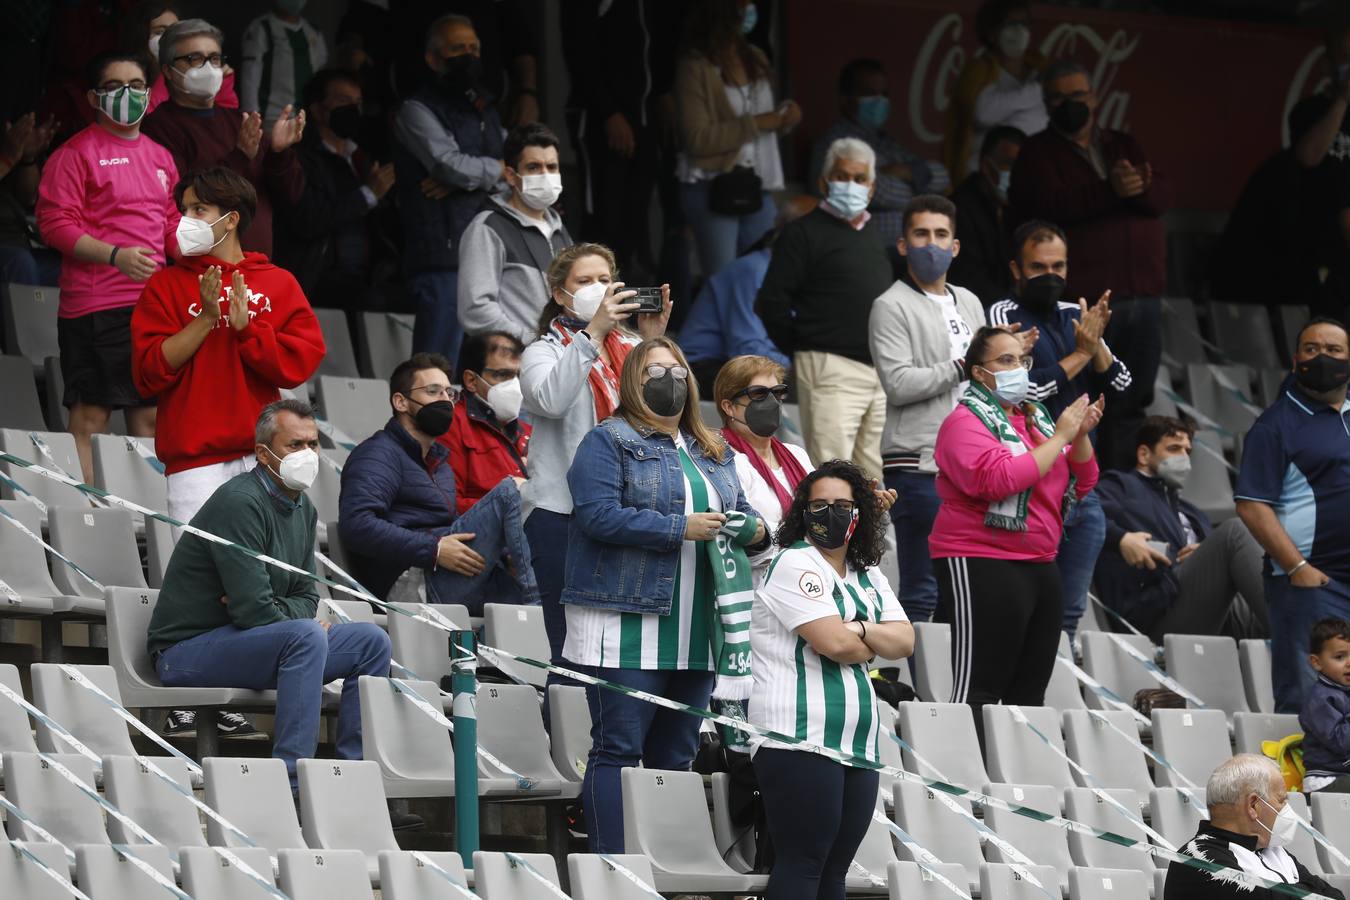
1249	825
828	267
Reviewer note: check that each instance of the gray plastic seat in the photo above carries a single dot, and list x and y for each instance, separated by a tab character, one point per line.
1331	816
1046	844
1209	486
17	442
1176	816
104	875
404	878
1250	729
907	881
1303	847
100	541
888	748
665	818
324	875
160	538
26	569
498	877
1110	665
1110	884
21	408
16	732
735	843
944	735
1000	882
67	813
933	661
30	321
339	358
593	878
1181	329
1017	755
415	754
420	647
358	407
1159	883
209	876
1208	667
119	469
255	796
1244	331
946	835
511	728
1194	741
342	806
1082	805
569	729
519	629
874	855
1104	752
151	803
22	878
1063	691
1254	659
81	712
386	341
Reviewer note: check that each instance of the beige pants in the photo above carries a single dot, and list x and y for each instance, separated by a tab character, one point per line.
843	409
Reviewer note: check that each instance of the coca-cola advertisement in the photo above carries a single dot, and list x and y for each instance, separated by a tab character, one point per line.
1209	100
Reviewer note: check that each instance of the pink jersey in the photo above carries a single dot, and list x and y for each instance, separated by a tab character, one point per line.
975	469
116	190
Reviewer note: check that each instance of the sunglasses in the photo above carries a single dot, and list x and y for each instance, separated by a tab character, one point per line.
758	392
656	370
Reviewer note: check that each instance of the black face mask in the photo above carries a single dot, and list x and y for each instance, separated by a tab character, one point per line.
433	419
764	416
462	72
1322	373
665	396
1040	294
831	528
1070	116
345	121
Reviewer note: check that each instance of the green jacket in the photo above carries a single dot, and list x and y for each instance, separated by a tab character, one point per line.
251	511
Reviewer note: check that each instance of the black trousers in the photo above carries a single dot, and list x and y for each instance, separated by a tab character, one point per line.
1005	617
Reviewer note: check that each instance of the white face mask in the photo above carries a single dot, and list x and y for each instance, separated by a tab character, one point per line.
154	46
1174	470
1014	39
203	81
587	299
1286	826
195	236
299	469
505	398
540	191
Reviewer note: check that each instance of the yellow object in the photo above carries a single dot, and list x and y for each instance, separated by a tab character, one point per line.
1288	754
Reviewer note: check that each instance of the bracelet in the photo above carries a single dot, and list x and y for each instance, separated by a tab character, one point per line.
1296	568
112	257
863	626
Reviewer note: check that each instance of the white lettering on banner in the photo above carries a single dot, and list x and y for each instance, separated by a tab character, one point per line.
952	62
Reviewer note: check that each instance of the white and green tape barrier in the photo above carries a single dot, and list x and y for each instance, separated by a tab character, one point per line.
1156	673
927	862
630	875
519	862
1108	696
426	862
150	871
21	850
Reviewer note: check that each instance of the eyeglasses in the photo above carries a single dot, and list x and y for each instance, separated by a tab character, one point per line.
501	374
197	60
819	506
1009	361
656	370
437	391
757	392
110	86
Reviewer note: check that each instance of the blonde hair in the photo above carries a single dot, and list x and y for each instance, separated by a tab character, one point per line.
736	375
634	410
561	267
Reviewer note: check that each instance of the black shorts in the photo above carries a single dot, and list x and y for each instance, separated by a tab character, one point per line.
96	360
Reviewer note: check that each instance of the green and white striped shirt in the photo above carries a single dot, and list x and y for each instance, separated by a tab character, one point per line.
627	640
797	691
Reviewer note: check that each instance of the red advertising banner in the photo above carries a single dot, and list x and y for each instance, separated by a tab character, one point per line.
1207	99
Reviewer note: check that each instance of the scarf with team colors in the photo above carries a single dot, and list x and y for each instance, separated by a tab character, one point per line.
735	591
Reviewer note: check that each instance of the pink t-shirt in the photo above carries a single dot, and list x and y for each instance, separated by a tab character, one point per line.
116	190
975	469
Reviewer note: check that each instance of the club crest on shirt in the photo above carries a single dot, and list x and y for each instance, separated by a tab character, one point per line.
810	585
163	179
871	594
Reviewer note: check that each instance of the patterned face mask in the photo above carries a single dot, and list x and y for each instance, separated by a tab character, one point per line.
125	105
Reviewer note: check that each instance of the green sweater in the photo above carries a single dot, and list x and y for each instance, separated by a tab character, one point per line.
202	573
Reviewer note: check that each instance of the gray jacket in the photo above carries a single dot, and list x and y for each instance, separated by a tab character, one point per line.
912	351
502	260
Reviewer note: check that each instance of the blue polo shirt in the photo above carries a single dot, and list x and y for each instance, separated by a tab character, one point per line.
1297	459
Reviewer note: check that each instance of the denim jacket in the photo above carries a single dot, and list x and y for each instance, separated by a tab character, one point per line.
628	519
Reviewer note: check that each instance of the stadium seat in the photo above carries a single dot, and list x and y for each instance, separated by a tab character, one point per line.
875	855
104	874
342	807
81	712
21	877
27	574
1339	882
100	541
119	469
1113	667
21	409
1254	659
63	810
209	876
1209	486
355	610
569	729
16	732
1046	844
735	843
888	748
511	728
358	407
17	442
519	629
594	878
415	754
339	359
1082	805
1302	846
53	392
30	321
254	795
1163	387
1063	691
1270	384
422	648
1224	394
1159	883
1194	741
665	818
1101	750
933	661
150	803
1244	331
324	875
404	877
1288	320
386	341
498	877
1331	815
1176	814
1109	884
944	735
160	538
1181	329
1250	729
907	881
937	829
1000	882
1016	755
1208	667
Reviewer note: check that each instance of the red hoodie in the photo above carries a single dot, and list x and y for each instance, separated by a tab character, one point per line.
209	407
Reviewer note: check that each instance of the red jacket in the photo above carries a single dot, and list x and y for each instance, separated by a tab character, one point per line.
1113	242
209	407
481	454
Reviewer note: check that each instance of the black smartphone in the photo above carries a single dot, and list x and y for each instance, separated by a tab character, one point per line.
648	299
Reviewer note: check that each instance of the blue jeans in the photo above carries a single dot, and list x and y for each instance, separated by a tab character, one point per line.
435	296
626	731
494	522
296	658
547	533
1084	534
1293	612
29	265
915	508
721	238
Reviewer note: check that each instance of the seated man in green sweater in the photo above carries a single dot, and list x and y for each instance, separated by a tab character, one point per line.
224	619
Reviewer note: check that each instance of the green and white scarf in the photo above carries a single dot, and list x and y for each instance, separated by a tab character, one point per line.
735	591
1010	513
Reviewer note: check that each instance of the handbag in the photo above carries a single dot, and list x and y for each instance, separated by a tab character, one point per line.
739	192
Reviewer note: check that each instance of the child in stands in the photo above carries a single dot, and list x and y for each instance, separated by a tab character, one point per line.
1325	717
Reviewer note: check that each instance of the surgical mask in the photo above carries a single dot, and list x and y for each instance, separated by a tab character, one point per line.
154	47
749	19
203	81
299	469
873	111
1286	826
848	197
1012	386
345	121
929	262
830	528
1004	182
1070	116
587	299
125	105
764	416
540	191
1040	294
1014	39
1174	469
665	395
1322	373
504	398
434	418
195	237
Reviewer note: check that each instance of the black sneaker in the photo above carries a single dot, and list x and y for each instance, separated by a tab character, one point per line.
180	723
236	727
403	821
576	819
